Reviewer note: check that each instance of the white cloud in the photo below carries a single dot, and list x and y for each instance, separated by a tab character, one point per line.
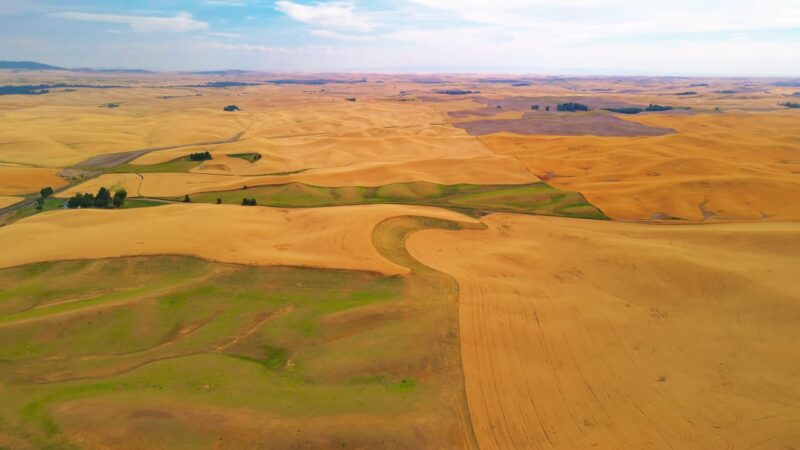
617	17
181	23
338	15
328	34
250	48
225	35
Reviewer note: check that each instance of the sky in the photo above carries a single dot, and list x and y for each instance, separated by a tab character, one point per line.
586	37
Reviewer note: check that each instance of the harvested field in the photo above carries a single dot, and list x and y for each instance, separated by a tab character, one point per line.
740	166
563	124
171	325
486	170
109	160
582	334
25	180
338	238
7	200
335	150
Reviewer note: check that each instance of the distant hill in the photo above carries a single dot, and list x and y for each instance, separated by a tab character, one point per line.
218	72
112	71
27	65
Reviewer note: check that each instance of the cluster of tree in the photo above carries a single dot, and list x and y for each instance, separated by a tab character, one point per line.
726	91
43	194
535	107
200	156
350	99
699	85
103	199
249	202
231	108
637	110
457	92
572	107
687	93
792	105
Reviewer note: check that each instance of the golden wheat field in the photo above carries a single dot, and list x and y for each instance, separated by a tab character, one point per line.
398	261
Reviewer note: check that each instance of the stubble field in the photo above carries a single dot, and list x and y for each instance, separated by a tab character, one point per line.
420	270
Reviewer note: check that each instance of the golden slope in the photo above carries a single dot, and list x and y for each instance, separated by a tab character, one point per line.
338	237
586	334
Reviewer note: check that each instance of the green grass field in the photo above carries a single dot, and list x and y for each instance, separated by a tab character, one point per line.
536	198
178	165
101	346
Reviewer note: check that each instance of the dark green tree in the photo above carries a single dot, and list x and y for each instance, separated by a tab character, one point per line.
572	107
219	201
75	201
186	199
119	198
103	198
46	192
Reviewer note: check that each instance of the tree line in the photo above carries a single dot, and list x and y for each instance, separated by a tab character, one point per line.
103	199
572	107
637	110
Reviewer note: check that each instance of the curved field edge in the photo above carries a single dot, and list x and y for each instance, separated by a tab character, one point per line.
169	336
472	199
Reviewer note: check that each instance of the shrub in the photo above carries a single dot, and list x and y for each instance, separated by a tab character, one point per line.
200	156
653	107
249	202
231	108
186	199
